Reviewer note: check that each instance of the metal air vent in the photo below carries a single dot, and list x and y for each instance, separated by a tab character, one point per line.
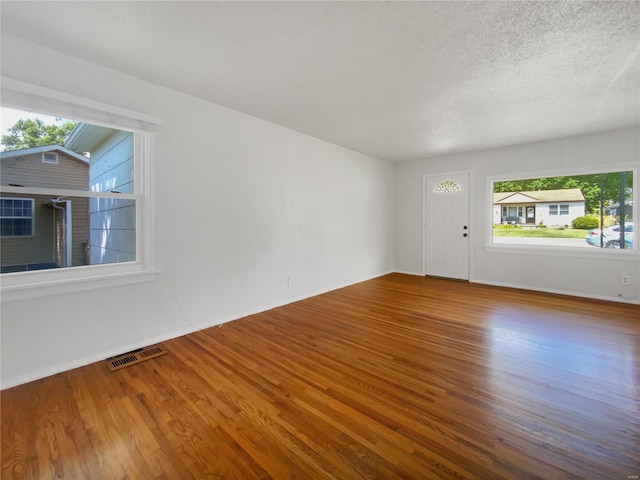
135	356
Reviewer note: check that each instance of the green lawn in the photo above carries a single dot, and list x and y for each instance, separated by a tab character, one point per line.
539	232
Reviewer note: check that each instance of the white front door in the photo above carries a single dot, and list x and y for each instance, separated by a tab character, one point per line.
446	222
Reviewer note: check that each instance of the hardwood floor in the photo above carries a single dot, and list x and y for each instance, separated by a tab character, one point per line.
397	377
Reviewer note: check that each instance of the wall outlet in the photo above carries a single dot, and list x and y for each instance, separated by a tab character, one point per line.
289	280
625	280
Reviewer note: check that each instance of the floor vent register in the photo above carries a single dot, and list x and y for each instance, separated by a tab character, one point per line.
135	356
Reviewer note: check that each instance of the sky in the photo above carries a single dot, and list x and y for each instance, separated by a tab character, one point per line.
9	117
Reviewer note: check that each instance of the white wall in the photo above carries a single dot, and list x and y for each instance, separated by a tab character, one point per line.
241	204
596	275
576	209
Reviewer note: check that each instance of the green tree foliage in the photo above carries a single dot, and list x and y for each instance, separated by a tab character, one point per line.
29	133
613	186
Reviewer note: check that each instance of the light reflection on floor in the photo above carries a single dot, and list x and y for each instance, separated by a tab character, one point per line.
535	352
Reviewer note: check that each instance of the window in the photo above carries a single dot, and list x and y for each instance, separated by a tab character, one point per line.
511	214
446	186
16	217
50	157
576	211
563	209
89	198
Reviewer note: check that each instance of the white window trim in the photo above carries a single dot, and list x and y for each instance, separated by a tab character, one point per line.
22	285
33	229
50	162
549	250
26	96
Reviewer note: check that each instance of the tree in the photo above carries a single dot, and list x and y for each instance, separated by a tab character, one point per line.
29	133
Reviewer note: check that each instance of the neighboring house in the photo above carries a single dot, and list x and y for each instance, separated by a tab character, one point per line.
112	222
551	207
40	231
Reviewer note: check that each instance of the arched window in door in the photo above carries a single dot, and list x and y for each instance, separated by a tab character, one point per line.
447	186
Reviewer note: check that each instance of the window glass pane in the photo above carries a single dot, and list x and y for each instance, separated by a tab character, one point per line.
446	186
15	217
579	211
69	232
6	227
112	230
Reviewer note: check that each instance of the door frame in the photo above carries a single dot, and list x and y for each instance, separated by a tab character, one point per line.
424	217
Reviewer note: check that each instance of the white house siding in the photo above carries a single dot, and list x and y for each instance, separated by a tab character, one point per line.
112	224
111	166
576	209
497	214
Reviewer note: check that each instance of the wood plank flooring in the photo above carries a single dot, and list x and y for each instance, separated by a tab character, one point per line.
397	377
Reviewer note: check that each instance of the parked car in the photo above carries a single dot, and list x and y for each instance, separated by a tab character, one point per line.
610	236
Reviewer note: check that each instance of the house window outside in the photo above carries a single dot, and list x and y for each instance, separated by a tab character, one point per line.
590	211
50	157
561	209
511	214
16	217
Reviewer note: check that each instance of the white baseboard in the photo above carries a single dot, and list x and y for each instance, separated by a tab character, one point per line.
404	272
81	362
632	301
560	292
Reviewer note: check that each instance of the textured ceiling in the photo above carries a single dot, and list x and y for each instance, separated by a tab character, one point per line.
397	80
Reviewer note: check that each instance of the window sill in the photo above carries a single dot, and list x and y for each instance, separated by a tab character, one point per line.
26	285
557	251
